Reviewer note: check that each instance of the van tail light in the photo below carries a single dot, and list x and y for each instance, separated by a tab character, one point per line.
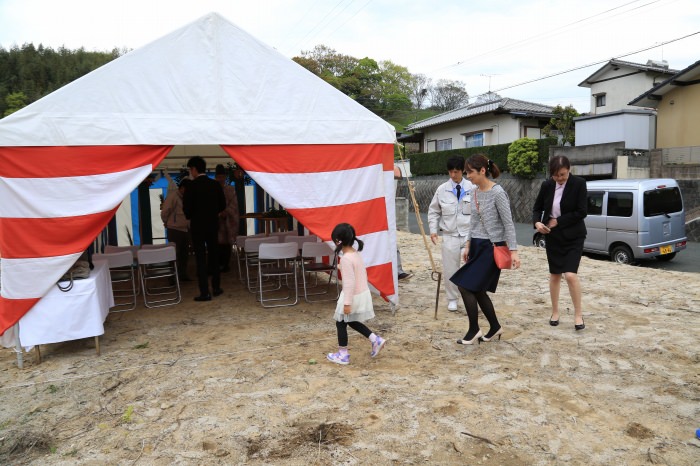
650	250
681	244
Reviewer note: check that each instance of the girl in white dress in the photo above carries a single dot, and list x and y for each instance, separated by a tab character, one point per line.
355	301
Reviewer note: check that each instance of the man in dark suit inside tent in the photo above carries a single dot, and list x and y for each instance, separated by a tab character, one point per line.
202	202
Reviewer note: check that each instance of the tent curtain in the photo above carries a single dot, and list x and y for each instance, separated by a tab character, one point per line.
55	202
322	185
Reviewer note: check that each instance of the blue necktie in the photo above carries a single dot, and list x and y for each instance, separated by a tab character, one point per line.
459	189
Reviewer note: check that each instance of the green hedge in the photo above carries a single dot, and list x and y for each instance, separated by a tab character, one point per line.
435	163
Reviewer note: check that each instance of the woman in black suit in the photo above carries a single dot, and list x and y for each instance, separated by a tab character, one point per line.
559	211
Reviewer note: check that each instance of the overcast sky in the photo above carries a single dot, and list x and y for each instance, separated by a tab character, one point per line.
502	43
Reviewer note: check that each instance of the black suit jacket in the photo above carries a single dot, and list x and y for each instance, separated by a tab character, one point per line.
202	202
573	207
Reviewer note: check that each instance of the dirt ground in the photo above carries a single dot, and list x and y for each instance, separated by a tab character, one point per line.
228	382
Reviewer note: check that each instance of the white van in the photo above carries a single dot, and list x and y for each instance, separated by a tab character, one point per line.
633	219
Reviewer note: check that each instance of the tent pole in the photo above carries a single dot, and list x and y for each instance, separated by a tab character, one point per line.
436	275
18	348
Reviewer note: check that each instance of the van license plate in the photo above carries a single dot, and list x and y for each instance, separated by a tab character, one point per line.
666	249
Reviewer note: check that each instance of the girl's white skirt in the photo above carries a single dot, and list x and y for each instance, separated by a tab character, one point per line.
362	308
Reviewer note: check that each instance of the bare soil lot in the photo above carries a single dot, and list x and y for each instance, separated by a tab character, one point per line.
228	382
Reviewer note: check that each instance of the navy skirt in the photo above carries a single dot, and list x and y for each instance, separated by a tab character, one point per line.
480	273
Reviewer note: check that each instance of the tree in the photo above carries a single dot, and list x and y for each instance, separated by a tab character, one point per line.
14	102
562	125
523	158
449	95
420	88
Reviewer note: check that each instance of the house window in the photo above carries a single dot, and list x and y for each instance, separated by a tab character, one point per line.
444	144
474	140
600	100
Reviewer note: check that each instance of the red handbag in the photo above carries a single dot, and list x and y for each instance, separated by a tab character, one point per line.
501	254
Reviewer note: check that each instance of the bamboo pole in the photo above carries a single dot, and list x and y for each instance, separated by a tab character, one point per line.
436	275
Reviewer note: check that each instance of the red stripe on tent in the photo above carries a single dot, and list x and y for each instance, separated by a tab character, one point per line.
11	310
367	217
65	161
382	278
311	158
23	238
388	160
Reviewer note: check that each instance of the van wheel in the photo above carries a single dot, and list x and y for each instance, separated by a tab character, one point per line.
666	257
622	255
539	241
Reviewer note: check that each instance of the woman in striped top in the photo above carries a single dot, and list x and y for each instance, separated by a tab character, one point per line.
491	224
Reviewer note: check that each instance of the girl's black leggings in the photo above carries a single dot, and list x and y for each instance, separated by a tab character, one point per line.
343	331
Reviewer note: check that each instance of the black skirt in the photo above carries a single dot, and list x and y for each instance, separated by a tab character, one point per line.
563	255
480	273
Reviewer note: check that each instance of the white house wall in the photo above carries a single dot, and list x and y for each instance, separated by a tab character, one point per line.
618	92
498	129
635	130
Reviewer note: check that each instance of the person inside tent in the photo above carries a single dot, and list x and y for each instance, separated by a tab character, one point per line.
228	219
203	201
177	226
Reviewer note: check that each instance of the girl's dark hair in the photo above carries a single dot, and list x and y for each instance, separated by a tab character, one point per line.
558	162
479	161
344	235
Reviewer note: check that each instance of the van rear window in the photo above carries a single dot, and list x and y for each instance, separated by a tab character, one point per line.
662	201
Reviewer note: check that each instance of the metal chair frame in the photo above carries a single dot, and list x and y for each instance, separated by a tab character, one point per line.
278	261
122	272
251	246
311	266
159	265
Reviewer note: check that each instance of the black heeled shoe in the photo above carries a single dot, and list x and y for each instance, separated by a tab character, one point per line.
498	334
553	323
580	326
477	337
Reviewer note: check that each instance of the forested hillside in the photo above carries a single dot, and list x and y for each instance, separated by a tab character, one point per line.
28	73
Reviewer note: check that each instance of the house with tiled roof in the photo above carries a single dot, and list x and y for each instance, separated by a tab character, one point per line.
612	119
491	120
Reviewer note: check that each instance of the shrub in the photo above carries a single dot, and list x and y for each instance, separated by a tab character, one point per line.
523	158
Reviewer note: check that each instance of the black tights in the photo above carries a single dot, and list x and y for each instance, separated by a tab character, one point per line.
343	331
472	301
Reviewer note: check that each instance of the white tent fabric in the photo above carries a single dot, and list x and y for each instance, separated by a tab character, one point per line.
207	83
94	140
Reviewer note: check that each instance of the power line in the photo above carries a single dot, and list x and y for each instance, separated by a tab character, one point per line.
317	25
549	33
347	20
597	62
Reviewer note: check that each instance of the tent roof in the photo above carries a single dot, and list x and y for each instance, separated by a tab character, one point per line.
206	83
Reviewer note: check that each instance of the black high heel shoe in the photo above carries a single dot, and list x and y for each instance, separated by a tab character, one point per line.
476	337
497	334
580	326
553	323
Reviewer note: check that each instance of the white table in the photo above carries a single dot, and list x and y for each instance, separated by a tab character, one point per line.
63	316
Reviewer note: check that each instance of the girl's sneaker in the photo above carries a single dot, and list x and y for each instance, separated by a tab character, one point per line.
338	358
377	346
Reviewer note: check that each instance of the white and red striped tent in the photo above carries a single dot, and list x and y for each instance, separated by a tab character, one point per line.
68	160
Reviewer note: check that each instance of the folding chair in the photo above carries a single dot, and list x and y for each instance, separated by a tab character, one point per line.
159	280
239	252
124	280
311	266
300	240
277	261
109	249
251	246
